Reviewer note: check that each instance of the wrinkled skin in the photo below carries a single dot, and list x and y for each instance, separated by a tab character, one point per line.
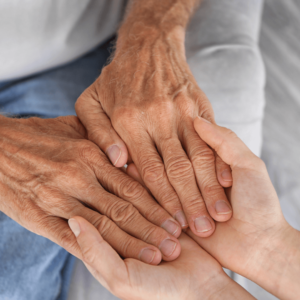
49	172
145	101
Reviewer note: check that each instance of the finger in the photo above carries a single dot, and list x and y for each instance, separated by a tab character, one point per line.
223	172
57	230
127	217
133	172
181	175
99	127
152	171
203	161
226	143
123	186
100	258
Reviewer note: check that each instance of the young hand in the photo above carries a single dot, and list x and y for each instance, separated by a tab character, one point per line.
193	275
256	242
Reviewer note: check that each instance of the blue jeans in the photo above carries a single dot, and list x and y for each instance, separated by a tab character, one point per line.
31	266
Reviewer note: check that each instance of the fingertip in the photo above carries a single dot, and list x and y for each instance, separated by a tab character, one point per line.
224	176
150	256
170	249
221	211
203	226
117	154
74	226
181	219
172	227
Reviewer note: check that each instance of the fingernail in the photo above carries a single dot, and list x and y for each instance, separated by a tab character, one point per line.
222	207
114	154
147	255
180	217
202	224
204	120
167	247
74	226
170	226
226	175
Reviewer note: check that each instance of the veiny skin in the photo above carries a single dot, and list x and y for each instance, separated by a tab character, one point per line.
50	172
144	102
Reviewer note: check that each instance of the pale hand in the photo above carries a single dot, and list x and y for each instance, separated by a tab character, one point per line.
193	275
256	242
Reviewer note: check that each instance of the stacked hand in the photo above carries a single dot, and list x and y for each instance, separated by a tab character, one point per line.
50	172
257	242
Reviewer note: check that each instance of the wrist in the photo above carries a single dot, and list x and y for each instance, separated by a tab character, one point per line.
277	267
135	37
222	287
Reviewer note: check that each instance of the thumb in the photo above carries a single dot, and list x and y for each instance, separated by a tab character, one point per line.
99	128
98	256
226	143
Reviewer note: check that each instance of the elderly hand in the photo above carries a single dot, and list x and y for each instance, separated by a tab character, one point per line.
50	172
148	98
256	242
194	275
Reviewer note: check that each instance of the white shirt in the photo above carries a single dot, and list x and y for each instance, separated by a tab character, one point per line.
36	35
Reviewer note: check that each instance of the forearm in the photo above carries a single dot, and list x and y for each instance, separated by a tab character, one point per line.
154	18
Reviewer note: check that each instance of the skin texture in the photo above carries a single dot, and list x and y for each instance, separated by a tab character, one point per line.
141	110
50	172
256	242
194	275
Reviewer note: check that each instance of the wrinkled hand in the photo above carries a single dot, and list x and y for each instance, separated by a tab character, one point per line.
193	275
49	172
148	98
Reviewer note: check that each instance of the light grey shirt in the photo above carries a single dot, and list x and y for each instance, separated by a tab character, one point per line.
38	35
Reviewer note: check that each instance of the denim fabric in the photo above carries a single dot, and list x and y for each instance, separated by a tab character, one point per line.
32	267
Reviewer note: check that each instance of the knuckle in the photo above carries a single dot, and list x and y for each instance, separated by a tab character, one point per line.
179	168
165	107
169	200
127	245
203	156
88	254
123	116
130	189
122	212
104	226
211	190
96	133
150	233
186	106
153	172
194	205
153	213
90	153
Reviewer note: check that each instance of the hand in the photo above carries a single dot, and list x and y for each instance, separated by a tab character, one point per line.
148	97
50	172
256	242
194	275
